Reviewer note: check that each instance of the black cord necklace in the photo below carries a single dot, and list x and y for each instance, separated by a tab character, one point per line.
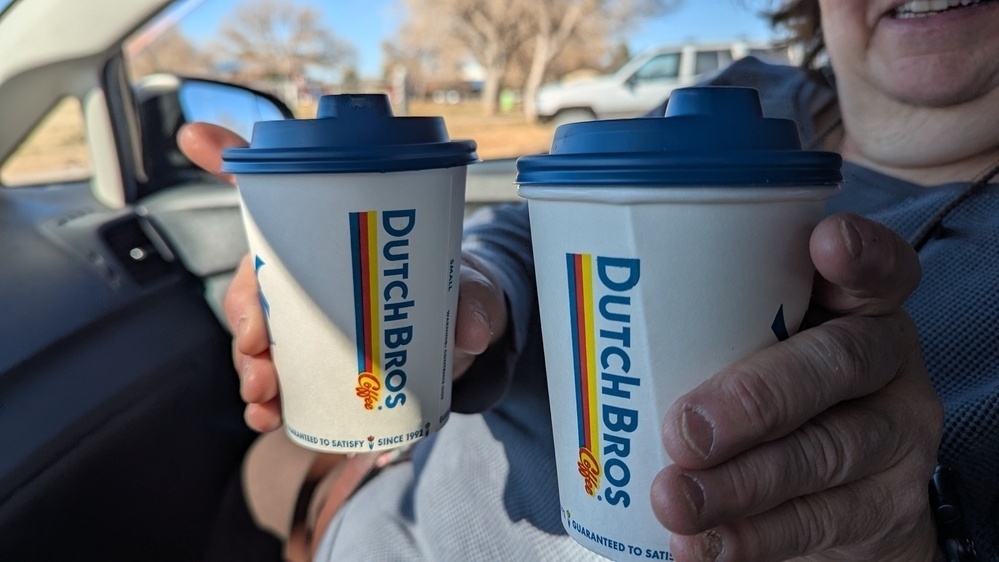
930	227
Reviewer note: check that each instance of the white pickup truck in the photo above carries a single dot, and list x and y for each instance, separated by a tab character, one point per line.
643	82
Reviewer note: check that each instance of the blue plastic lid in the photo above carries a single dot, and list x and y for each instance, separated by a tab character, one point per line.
709	136
351	133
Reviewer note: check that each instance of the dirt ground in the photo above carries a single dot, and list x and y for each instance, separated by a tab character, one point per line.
500	136
57	151
505	135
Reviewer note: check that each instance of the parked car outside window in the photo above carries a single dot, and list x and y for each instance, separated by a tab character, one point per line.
643	82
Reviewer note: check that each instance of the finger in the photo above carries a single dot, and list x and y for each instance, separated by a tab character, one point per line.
849	442
870	519
482	315
203	143
263	417
258	378
776	390
243	310
863	267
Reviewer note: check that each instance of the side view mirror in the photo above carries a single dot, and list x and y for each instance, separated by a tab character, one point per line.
233	107
166	102
632	81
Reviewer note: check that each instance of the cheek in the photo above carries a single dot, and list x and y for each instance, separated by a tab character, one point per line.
845	32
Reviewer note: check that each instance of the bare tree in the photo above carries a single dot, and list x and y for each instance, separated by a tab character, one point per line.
488	30
588	52
169	52
497	33
278	39
429	64
557	22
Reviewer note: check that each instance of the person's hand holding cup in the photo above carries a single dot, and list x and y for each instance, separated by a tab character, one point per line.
666	248
480	317
481	321
821	445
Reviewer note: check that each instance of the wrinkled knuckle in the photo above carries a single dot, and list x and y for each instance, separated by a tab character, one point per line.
809	528
867	522
747	487
757	399
842	348
880	514
825	453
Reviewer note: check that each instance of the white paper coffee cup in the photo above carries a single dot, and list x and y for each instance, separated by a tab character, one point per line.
358	277
648	288
642	303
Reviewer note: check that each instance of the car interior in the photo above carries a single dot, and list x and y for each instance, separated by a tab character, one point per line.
120	418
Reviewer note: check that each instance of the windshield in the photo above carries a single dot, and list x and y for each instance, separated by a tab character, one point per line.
432	58
480	64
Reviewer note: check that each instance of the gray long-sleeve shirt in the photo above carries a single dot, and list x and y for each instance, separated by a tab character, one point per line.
484	488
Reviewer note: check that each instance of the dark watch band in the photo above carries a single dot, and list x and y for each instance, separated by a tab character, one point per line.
952	534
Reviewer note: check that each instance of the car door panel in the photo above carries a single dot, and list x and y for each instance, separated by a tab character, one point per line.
203	224
120	418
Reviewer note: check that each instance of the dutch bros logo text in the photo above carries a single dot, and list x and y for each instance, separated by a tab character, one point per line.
380	261
600	293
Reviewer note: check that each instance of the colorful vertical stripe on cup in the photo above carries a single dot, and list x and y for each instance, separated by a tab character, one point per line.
364	253
581	326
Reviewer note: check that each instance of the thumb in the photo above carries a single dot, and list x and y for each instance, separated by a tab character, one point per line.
863	267
203	144
482	313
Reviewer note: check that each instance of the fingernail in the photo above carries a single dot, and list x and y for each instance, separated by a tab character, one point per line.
697	432
479	312
709	546
851	238
693	493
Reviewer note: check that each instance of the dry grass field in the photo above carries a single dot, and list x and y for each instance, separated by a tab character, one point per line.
504	135
57	150
499	136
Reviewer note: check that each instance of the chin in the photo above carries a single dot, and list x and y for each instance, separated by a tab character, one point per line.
937	83
936	95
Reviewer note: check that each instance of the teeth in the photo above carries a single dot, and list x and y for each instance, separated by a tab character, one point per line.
921	8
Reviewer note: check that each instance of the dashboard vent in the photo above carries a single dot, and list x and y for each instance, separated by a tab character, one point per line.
144	261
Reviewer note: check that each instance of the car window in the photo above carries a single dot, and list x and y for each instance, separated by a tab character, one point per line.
429	56
660	67
705	61
55	151
710	61
724	58
256	43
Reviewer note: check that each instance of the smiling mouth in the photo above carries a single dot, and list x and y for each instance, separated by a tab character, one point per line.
924	8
